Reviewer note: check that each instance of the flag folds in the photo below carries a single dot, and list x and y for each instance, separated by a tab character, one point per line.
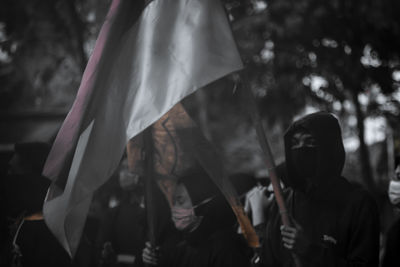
149	55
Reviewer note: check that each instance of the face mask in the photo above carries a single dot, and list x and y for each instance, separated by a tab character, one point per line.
185	218
304	161
394	192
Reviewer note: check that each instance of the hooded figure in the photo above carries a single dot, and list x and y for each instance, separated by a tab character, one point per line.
207	223
392	244
334	222
25	189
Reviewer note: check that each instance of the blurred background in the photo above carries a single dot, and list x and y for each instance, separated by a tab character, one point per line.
301	56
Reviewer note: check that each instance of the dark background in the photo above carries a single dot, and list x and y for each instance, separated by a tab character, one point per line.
301	56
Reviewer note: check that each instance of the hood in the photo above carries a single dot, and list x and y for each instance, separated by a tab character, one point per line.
325	128
199	186
24	193
217	214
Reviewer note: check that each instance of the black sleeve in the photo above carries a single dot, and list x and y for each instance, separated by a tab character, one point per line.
106	225
272	250
391	256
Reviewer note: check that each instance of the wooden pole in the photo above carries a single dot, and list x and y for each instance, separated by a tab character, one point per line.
149	178
269	159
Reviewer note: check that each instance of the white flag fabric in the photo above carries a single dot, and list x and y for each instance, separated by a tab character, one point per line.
149	55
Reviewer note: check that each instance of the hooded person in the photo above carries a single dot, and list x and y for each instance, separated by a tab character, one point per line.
392	244
334	222
207	222
25	189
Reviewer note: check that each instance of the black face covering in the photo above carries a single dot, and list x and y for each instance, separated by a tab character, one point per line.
304	161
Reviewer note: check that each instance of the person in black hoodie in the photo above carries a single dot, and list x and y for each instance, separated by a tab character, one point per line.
334	222
391	256
207	222
25	189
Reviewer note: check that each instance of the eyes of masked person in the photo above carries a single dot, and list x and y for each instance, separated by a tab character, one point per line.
303	151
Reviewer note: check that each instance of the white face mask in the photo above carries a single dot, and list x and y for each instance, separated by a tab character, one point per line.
183	217
394	192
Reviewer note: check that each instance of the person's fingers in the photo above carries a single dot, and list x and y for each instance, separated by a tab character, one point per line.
150	262
148	245
149	259
288	241
289	234
288	246
146	257
289	230
145	253
150	253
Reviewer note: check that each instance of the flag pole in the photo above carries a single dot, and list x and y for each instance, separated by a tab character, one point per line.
269	159
149	178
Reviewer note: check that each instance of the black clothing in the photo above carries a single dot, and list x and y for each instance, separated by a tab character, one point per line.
124	227
213	244
224	248
330	150
392	246
199	186
341	219
39	247
24	194
342	224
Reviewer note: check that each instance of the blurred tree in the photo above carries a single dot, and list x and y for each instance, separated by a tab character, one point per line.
353	45
43	50
332	54
328	53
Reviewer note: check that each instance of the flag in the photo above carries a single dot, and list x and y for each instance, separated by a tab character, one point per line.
149	55
179	148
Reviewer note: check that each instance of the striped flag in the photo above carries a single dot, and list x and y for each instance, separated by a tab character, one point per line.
149	55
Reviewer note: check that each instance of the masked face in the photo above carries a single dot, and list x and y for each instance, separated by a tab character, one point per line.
303	156
394	192
128	180
394	188
182	210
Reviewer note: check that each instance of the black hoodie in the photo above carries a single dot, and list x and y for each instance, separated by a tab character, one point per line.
340	219
213	244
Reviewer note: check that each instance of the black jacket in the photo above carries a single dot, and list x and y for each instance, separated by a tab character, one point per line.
392	246
341	219
213	244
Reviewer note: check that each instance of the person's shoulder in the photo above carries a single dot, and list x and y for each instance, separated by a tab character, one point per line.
357	194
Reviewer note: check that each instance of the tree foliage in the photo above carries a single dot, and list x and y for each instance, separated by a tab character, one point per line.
340	55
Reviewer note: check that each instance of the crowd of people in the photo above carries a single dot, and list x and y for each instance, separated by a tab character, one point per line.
333	222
